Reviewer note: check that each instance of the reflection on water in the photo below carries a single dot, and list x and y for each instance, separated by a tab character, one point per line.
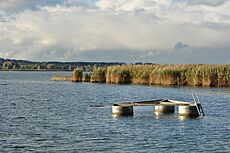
183	117
186	117
161	115
40	115
158	115
117	116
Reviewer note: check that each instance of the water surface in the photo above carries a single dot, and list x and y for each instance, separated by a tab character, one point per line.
40	115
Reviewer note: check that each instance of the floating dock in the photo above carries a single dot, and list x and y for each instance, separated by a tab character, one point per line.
190	109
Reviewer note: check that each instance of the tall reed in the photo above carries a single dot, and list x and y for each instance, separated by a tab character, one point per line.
98	75
190	74
77	75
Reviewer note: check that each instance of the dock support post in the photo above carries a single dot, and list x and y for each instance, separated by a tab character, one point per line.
188	110
164	108
122	110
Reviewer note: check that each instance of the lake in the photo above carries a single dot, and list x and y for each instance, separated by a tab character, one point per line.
40	115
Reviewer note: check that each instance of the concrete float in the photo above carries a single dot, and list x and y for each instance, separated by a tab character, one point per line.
164	108
122	110
188	109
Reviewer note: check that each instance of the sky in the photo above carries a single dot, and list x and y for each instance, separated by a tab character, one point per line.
156	31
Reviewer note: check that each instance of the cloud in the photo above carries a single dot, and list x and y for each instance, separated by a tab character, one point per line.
211	55
126	5
128	30
180	45
12	6
206	2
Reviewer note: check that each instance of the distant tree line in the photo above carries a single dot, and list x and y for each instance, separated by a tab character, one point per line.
23	65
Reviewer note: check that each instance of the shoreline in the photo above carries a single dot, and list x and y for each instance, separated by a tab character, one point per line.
149	85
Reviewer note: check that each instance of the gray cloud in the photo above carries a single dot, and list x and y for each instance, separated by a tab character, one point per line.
190	55
206	2
14	6
180	45
111	55
129	30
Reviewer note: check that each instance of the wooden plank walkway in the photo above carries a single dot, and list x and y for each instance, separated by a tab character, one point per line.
165	102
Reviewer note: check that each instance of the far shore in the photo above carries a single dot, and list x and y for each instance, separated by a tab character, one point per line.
38	70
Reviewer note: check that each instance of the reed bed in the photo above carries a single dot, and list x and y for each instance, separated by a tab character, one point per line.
86	77
77	75
155	74
183	75
99	74
57	77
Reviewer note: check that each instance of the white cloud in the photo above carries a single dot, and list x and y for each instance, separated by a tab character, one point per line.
137	27
5	4
126	5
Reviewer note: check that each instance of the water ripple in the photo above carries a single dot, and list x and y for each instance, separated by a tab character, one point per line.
40	115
